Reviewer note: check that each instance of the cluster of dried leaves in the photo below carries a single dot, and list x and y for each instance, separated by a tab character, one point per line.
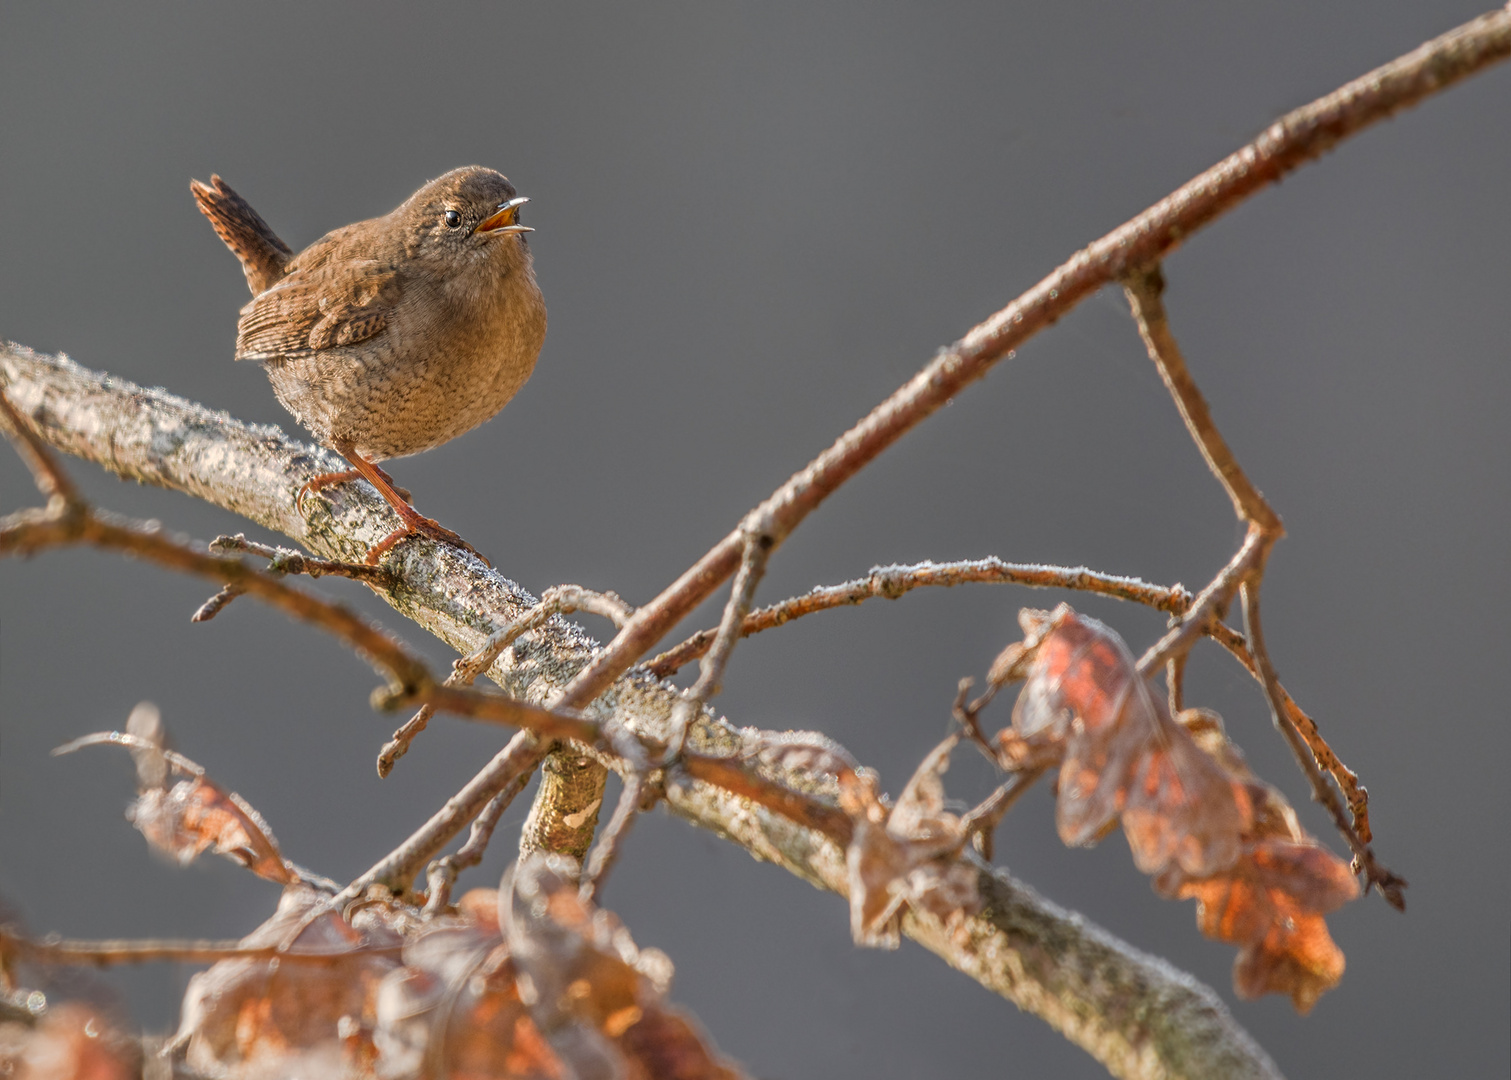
529	980
1197	820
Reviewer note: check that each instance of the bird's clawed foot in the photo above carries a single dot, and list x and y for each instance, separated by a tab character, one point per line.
416	524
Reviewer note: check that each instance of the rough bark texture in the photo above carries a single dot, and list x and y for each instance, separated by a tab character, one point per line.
1134	1013
570	782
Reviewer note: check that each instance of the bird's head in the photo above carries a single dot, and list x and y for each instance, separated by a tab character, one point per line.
468	218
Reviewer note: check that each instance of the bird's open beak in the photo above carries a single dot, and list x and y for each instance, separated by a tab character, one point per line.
502	221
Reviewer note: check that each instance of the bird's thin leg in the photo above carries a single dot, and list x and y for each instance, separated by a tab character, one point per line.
415	524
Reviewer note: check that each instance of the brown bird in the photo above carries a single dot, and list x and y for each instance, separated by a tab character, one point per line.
393	335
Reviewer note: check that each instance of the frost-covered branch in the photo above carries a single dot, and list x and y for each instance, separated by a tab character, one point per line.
1049	962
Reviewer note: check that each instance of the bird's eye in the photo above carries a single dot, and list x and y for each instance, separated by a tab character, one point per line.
453	219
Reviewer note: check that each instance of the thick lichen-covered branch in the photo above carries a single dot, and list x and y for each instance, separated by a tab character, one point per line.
1134	1013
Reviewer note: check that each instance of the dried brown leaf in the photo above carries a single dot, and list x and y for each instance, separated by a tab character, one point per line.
563	993
1125	757
251	1018
454	1011
195	814
597	998
905	856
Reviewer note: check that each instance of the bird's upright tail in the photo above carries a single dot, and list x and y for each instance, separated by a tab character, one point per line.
263	256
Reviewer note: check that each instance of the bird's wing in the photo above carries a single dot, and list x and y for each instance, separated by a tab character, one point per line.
316	307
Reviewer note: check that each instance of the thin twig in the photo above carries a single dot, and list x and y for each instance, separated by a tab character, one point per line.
510	766
601	860
441	875
110	953
217	603
1391	885
1144	286
557	600
24	534
282	560
1175	682
892	582
1358	798
1208	605
983	820
758	548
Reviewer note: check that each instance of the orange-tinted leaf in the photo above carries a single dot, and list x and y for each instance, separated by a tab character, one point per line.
1124	754
1181	810
454	1011
566	995
563	995
1271	905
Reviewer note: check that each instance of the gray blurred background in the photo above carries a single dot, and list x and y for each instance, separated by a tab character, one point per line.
753	223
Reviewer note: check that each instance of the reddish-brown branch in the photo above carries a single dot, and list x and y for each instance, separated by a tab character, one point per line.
1296	138
1144	287
29	531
